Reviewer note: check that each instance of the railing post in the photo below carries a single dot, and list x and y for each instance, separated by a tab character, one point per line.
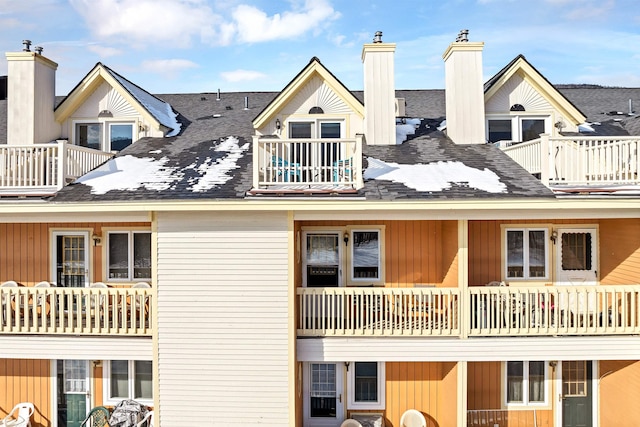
256	161
545	158
61	166
357	162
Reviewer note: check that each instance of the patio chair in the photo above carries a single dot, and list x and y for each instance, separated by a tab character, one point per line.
97	417
413	418
288	171
20	416
7	301
342	170
147	421
350	422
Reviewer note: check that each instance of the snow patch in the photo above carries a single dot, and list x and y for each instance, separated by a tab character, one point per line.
217	172
130	173
435	177
404	128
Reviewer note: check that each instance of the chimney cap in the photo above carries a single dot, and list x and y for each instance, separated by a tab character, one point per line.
38	49
377	38
463	36
27	45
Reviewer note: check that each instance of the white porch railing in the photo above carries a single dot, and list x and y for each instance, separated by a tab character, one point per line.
554	310
75	311
44	168
378	311
487	311
580	160
323	164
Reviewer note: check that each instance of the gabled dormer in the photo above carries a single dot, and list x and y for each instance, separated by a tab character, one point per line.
521	104
107	112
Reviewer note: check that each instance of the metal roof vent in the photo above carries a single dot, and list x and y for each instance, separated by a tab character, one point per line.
38	50
377	38
246	102
463	36
27	45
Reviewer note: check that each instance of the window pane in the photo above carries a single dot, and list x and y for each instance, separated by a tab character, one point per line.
531	129
143	382
89	135
142	255
499	130
515	377
323	390
300	130
515	253
536	381
330	130
576	251
366	254
121	136
537	258
119	378
118	255
366	382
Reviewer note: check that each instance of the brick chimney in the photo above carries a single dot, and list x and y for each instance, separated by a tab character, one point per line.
464	91
30	98
379	92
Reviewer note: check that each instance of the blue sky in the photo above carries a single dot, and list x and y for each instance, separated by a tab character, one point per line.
176	46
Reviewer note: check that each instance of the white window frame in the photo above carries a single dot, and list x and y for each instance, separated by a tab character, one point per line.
351	388
105	130
316	121
525	253
525	385
106	380
345	253
516	123
110	124
130	254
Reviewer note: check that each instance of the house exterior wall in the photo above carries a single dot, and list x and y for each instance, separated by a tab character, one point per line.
26	250
619	393
416	252
27	380
224	278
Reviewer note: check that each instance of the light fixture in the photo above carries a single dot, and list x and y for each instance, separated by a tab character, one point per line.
97	363
554	236
345	238
96	239
278	124
142	127
553	363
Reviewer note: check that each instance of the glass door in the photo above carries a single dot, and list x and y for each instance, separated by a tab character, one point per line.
71	259
72	392
323	394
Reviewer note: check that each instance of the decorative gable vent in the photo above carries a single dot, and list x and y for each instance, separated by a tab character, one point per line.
400	107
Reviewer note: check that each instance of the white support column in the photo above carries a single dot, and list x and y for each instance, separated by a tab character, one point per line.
462	394
545	159
463	275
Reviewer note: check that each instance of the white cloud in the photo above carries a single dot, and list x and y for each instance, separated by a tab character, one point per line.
104	51
168	66
241	75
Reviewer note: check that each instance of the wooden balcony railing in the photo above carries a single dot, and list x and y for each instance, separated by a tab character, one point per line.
474	312
580	160
302	164
44	168
378	311
75	311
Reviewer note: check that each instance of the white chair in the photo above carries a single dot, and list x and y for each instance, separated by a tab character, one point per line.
6	301
350	422
143	285
98	285
413	418
43	284
147	421
9	284
20	416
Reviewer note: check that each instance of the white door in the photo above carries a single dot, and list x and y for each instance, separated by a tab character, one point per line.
70	259
323	394
576	265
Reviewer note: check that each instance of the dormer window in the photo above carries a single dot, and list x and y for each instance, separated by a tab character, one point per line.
104	135
517	128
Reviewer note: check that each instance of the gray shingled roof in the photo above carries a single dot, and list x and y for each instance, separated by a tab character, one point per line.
3	121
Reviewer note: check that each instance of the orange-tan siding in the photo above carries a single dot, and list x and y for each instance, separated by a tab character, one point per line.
26	380
25	250
619	393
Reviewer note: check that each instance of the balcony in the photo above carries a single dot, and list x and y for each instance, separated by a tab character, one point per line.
307	165
474	312
43	169
76	311
580	161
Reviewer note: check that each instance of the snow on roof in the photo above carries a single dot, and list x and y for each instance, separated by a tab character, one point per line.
129	173
587	127
159	109
435	177
216	172
406	127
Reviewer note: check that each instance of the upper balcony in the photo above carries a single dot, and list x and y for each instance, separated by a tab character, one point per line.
307	165
592	162
480	311
43	169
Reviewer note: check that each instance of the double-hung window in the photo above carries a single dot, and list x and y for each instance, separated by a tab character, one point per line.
526	253
526	383
516	128
366	385
129	255
329	253
129	379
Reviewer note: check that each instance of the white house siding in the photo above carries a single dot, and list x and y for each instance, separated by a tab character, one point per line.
222	319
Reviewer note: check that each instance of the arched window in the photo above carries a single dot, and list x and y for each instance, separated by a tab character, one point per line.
316	110
517	107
